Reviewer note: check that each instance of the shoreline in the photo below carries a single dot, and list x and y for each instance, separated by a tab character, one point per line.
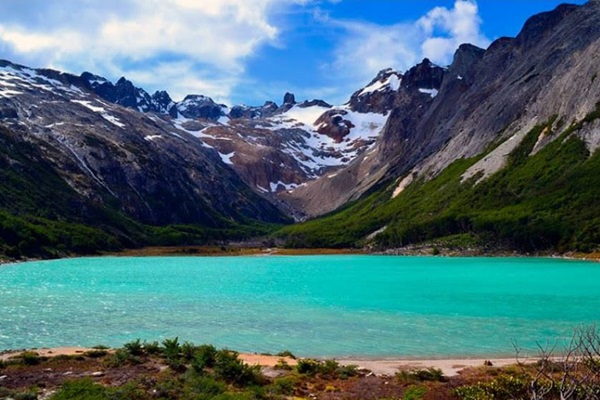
377	366
239	250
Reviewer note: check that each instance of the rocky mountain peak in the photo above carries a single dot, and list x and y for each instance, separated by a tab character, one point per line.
269	109
289	98
465	60
93	80
124	83
383	76
379	95
538	25
314	103
199	106
123	92
270	105
163	103
424	76
243	111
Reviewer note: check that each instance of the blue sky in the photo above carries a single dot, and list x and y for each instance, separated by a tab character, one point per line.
249	51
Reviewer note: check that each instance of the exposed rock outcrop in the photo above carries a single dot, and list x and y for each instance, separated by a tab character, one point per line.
440	115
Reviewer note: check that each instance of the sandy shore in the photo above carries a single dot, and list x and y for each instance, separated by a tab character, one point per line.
57	351
450	367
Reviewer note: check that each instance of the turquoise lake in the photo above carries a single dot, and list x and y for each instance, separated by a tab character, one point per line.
363	306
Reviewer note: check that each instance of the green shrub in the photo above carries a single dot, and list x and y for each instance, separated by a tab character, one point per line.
134	348
283	365
285	385
414	393
188	351
502	388
199	387
151	347
346	371
95	353
29	395
171	348
31	358
81	389
205	357
421	375
231	369
169	387
118	359
66	357
329	368
308	367
286	353
129	391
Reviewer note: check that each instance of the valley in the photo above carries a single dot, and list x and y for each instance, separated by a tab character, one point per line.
496	152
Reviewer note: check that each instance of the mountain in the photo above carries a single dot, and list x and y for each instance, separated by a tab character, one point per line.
103	158
498	149
406	99
125	163
274	149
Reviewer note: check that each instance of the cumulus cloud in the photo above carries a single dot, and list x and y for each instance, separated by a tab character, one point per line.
118	37
203	46
368	48
445	30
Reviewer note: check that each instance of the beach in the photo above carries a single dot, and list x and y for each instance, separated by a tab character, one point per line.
379	367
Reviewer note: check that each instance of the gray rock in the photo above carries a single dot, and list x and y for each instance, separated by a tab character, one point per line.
484	97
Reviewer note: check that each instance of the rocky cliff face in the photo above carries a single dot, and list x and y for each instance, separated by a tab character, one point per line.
484	98
404	100
114	156
149	151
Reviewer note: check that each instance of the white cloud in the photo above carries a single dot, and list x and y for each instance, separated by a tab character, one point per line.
216	34
446	29
202	46
182	78
368	48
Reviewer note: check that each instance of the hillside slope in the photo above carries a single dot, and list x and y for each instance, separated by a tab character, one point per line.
506	155
78	169
485	96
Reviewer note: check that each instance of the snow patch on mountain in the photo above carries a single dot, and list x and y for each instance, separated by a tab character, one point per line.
306	116
227	157
316	151
431	92
392	82
102	111
29	79
275	186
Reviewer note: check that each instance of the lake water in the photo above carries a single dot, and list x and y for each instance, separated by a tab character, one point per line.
366	306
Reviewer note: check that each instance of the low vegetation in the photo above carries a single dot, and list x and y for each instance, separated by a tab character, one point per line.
174	370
